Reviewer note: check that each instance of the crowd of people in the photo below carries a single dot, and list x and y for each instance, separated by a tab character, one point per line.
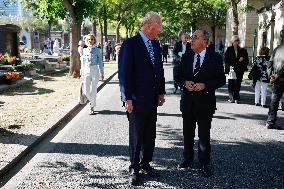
198	70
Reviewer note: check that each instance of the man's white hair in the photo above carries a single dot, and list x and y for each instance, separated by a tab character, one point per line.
150	17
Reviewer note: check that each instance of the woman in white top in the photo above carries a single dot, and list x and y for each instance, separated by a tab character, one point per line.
91	70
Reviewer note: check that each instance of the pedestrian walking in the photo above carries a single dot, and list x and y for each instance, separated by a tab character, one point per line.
276	73
165	52
201	73
238	58
180	48
91	70
142	86
260	77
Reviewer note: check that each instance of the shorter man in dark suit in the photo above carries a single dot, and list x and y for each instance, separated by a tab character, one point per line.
201	74
142	86
179	50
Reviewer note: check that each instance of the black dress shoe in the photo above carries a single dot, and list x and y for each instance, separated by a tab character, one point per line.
206	171
150	171
273	126
133	178
185	164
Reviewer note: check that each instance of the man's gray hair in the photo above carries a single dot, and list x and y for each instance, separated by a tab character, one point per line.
150	17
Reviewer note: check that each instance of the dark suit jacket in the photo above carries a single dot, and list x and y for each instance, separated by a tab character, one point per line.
178	48
232	60
211	73
140	80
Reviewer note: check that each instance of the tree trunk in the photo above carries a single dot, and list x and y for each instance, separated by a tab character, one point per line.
75	57
94	27
213	28
105	24
117	34
235	28
102	39
74	70
49	29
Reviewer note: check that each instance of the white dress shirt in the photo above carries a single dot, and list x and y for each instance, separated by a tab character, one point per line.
202	56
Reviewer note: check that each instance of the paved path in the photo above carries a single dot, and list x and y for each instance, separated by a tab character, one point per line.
92	151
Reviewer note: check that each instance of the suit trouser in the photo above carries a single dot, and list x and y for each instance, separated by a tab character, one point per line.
277	92
142	134
234	90
204	148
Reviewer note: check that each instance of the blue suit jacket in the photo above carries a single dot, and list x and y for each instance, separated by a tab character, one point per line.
140	80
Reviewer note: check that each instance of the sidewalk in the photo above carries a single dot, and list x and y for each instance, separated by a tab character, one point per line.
13	149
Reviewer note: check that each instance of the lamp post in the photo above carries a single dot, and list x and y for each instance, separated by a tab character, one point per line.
254	40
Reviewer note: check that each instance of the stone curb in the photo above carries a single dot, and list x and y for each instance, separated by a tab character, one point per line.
71	113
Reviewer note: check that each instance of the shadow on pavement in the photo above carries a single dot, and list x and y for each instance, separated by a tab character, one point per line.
235	164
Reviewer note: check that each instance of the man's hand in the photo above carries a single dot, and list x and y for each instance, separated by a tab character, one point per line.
273	77
161	100
199	86
241	59
189	85
128	106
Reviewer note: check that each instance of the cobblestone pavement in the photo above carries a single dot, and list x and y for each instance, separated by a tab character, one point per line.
92	150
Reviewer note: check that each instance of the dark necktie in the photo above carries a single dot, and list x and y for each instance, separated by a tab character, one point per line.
197	65
151	51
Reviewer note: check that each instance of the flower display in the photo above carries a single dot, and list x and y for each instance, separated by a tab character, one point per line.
11	75
7	59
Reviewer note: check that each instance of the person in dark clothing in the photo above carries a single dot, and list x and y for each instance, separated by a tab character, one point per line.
180	48
221	47
276	72
142	86
238	58
201	74
165	51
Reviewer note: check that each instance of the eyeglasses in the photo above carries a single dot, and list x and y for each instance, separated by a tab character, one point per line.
91	39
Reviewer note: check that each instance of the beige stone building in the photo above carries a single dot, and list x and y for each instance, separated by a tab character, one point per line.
248	23
271	22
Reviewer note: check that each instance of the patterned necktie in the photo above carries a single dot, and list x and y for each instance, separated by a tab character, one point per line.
151	51
197	65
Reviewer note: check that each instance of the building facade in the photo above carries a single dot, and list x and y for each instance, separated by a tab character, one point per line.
270	23
248	24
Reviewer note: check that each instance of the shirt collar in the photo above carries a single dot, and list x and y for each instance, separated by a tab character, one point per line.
144	37
202	53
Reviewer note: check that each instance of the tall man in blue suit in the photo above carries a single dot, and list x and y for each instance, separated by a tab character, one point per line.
142	86
201	74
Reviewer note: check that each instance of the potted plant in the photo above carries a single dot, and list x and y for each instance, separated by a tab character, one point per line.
66	59
10	77
28	67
